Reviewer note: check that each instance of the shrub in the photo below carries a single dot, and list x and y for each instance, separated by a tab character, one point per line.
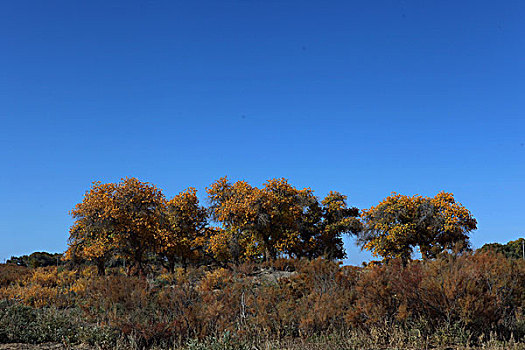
25	324
12	274
451	300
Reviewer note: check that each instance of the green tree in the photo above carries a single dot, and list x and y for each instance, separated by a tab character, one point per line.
37	259
512	249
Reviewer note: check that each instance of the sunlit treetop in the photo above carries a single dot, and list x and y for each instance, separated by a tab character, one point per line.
399	223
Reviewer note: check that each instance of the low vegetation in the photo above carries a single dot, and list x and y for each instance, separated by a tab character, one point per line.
465	300
145	272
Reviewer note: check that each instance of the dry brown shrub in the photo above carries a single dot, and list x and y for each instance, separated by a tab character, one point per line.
12	274
480	292
475	294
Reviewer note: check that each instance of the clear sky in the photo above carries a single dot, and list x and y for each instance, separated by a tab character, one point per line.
362	97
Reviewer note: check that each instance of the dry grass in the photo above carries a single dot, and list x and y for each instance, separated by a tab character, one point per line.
459	303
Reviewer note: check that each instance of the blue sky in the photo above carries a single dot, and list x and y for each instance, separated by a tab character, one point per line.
362	97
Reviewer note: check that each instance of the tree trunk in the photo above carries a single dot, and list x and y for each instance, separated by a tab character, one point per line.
138	263
171	264
101	267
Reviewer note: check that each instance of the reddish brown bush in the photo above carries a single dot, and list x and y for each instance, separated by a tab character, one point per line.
482	292
12	274
479	293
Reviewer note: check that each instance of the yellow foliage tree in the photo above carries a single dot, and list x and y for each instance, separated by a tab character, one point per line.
185	236
232	205
122	219
399	223
279	219
92	235
337	219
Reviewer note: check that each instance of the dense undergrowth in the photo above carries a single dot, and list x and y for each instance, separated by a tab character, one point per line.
470	300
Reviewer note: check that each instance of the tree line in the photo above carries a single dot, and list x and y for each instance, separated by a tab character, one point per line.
135	222
37	259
